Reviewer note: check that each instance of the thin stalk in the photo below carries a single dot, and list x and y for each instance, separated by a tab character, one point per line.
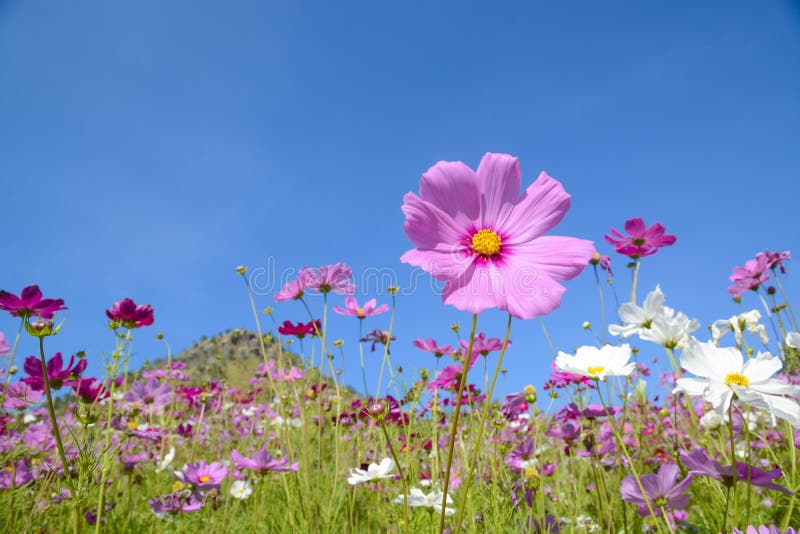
386	349
403	479
547	337
602	303
454	426
51	410
10	363
635	280
484	417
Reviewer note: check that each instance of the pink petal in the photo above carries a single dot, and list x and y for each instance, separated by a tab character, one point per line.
542	207
453	187
430	227
499	178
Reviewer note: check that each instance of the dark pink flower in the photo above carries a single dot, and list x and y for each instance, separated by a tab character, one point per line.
474	231
129	315
30	303
56	375
89	390
641	240
262	461
300	330
151	397
449	377
353	309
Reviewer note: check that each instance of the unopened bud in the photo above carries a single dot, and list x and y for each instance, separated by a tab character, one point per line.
377	409
160	336
241	269
455	327
268	310
393	290
586	325
770	290
530	393
338	343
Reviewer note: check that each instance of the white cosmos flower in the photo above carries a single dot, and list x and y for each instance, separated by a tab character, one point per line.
597	363
241	489
417	497
374	471
793	340
724	376
636	319
738	324
166	460
671	330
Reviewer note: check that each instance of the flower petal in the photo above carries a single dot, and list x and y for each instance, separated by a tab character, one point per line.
538	210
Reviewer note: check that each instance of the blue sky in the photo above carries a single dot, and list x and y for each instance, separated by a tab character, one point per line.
148	148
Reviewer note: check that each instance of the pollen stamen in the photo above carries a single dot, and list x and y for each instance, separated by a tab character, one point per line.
486	242
736	379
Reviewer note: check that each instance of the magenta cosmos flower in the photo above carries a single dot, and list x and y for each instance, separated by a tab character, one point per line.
352	308
57	375
475	232
641	241
30	303
129	315
430	345
300	330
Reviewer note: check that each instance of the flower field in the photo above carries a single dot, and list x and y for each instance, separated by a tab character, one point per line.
702	439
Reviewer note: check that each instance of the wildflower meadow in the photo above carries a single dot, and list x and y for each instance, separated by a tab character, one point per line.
703	438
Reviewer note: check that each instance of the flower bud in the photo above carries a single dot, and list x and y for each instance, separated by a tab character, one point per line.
393	290
268	310
338	343
586	325
41	328
455	327
241	269
530	393
377	409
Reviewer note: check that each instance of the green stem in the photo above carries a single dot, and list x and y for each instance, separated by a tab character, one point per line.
403	479
612	421
386	350
487	403
51	410
454	426
602	303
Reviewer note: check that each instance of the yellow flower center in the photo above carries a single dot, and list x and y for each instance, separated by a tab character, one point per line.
531	473
132	425
178	486
9	469
359	312
595	370
205	478
735	379
486	242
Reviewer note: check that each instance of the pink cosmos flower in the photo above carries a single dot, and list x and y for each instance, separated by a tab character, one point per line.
353	309
174	503
662	489
603	261
473	231
57	376
129	315
483	345
262	461
750	276
430	345
20	395
775	259
449	376
294	289
333	278
642	241
151	397
5	346
30	303
202	476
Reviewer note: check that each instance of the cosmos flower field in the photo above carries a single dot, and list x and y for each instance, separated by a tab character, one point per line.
702	439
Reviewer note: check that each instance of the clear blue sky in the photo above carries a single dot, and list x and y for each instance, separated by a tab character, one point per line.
147	148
